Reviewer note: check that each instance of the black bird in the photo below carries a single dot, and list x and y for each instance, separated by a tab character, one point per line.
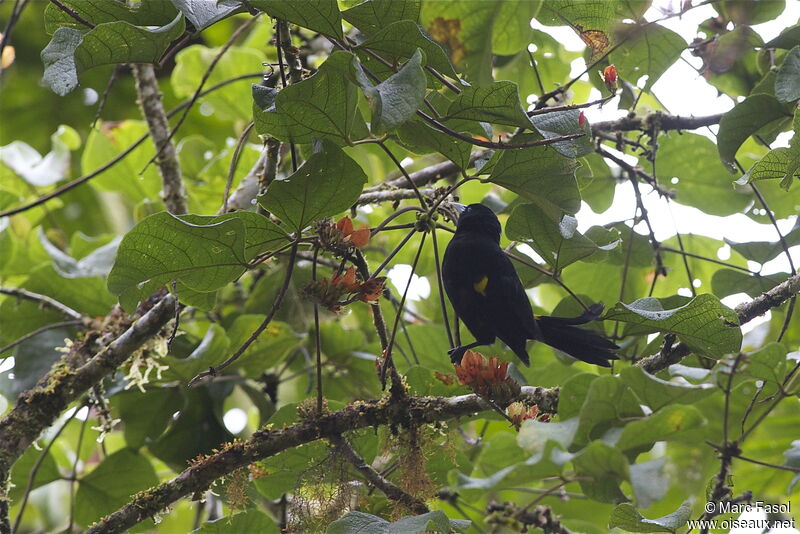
488	296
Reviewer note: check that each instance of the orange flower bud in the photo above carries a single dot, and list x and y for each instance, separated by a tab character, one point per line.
610	78
581	119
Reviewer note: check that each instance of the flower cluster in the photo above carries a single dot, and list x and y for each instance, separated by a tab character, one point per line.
331	294
488	377
519	412
339	238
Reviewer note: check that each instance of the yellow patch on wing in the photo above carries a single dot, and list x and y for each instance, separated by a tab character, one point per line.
480	285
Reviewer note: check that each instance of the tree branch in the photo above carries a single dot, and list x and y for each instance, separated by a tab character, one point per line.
666	122
747	312
173	193
37	408
265	443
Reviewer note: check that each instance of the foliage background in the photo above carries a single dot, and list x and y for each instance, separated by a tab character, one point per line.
616	437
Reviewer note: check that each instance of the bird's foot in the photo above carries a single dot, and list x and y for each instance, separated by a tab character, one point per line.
456	354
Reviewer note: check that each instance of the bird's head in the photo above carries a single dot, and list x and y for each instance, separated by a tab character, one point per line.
477	218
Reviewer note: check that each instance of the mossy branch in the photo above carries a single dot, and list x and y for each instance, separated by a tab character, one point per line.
269	442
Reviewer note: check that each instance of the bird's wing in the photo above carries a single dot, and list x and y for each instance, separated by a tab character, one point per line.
509	301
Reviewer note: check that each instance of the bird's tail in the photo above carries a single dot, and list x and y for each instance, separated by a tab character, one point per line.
562	333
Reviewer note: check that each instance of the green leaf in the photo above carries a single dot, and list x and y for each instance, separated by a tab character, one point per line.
789	38
395	100
146	13
373	15
163	247
192	64
626	517
251	520
497	103
673	422
327	183
319	15
742	12
23	467
212	347
203	14
572	394
71	52
401	39
764	251
696	175
360	523
767	364
539	174
109	486
649	481
96	263
146	415
591	19
105	143
324	106
787	82
464	28
561	123
552	235
609	403
511	31
657	393
420	138
645	50
704	324
778	164
744	120
727	282
33	358
534	435
600	469
201	409
261	234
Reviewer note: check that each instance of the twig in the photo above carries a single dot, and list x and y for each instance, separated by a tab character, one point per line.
234	163
38	331
391	195
389	489
43	300
275	306
72	13
35	469
169	167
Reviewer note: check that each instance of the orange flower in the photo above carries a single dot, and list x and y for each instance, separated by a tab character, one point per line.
610	78
518	412
345	225
358	238
487	377
371	290
347	281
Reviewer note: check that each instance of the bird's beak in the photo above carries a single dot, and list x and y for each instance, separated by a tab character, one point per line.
458	208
